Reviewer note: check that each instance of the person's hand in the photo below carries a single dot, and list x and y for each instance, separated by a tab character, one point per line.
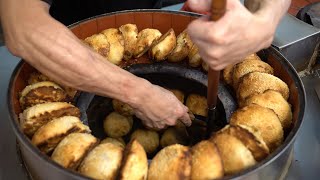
159	108
237	34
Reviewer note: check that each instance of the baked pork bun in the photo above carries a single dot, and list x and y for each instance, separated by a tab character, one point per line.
129	33
247	66
262	119
116	125
253	56
194	58
145	39
273	100
257	83
103	162
251	138
122	108
99	43
205	66
206	161
47	137
181	51
116	49
41	92
234	154
36	77
197	104
36	116
72	149
227	74
179	94
174	135
116	141
162	47
172	162
135	163
149	139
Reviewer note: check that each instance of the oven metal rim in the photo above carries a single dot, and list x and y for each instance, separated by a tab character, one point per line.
271	158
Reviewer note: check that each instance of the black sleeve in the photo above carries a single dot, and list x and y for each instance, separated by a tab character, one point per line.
48	1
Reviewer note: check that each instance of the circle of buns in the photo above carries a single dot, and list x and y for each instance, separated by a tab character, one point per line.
256	129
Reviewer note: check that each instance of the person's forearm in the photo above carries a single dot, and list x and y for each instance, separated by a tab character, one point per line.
51	48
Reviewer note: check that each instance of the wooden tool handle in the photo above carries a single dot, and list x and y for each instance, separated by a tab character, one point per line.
213	84
218	9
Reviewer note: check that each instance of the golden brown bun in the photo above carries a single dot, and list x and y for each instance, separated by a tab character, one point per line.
116	49
72	149
206	161
135	163
41	92
129	33
122	108
251	138
99	43
227	74
36	77
247	66
162	47
179	94
115	125
36	116
84	42
205	66
172	162
47	137
103	162
275	101
70	91
181	51
174	135
234	154
182	129
253	56
262	119
116	141
228	71
257	83
197	104
194	57
144	40
180	125
149	139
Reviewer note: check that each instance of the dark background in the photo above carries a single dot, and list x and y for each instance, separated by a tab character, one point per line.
70	11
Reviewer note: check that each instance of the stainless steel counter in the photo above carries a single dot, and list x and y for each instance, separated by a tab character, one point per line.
10	166
306	160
